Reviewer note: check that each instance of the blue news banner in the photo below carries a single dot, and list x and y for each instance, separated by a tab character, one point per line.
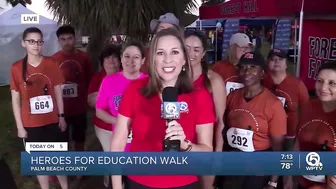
178	163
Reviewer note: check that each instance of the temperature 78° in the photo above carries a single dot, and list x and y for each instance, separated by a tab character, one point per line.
286	165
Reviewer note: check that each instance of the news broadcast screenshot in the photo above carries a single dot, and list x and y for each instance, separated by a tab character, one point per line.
144	94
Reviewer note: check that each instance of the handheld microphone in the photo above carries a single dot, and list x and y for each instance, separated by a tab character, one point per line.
171	111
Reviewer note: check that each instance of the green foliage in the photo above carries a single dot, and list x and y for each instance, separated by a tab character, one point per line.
128	17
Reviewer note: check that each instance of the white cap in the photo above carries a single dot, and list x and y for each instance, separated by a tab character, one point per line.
241	39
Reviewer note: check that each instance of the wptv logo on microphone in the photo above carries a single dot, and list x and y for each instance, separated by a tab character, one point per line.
171	110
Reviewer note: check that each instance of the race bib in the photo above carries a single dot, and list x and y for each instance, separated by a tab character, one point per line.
130	137
240	139
41	104
69	90
231	86
283	100
315	178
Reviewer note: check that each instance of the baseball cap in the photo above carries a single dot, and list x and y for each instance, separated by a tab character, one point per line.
254	58
169	18
277	52
241	39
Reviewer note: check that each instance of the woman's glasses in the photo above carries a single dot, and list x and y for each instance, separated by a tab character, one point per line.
33	42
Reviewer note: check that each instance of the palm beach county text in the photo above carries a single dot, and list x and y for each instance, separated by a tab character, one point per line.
81	163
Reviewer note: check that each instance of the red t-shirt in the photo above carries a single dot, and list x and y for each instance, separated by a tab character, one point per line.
149	134
77	72
199	82
144	67
96	80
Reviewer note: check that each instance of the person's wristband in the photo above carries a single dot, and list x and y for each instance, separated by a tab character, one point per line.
61	115
189	146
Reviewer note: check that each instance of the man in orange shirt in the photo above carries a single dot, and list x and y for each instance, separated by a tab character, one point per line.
77	70
165	21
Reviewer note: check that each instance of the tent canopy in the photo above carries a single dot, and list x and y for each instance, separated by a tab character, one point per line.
13	16
11	36
266	8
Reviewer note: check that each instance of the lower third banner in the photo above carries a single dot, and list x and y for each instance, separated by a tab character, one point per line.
179	163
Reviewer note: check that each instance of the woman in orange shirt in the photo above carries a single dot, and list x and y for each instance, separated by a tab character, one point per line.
196	45
290	90
317	126
254	121
239	44
35	83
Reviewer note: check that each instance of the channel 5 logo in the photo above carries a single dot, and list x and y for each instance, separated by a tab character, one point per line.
313	161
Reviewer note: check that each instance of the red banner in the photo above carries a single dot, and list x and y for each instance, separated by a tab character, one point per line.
318	46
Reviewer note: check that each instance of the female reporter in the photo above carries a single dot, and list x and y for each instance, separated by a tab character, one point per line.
141	103
290	90
255	121
239	44
196	45
35	83
317	125
110	63
109	98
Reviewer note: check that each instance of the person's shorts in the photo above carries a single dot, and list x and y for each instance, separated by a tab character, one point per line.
77	126
241	182
6	176
47	133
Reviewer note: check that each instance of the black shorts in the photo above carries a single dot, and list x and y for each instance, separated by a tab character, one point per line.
77	126
6	176
47	133
129	184
241	182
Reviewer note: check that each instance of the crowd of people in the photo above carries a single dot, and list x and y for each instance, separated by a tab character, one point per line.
246	103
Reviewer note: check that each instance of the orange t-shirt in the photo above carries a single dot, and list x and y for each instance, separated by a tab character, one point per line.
229	74
316	128
38	103
77	72
226	70
293	94
263	115
144	67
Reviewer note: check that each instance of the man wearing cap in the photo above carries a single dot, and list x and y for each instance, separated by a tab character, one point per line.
165	21
239	44
290	90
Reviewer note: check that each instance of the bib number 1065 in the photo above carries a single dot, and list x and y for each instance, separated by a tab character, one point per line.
238	140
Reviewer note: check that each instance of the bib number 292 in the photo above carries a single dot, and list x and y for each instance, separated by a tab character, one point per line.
241	139
238	140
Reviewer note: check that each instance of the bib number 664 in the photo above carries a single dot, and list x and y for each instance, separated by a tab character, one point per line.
238	140
41	105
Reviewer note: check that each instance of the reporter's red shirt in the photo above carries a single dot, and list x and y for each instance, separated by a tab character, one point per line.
149	128
95	83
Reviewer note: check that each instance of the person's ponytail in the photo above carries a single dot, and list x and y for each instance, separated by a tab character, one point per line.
24	69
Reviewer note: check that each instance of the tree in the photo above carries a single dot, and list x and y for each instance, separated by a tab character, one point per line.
101	18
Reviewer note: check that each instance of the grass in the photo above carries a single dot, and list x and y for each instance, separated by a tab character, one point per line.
11	146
